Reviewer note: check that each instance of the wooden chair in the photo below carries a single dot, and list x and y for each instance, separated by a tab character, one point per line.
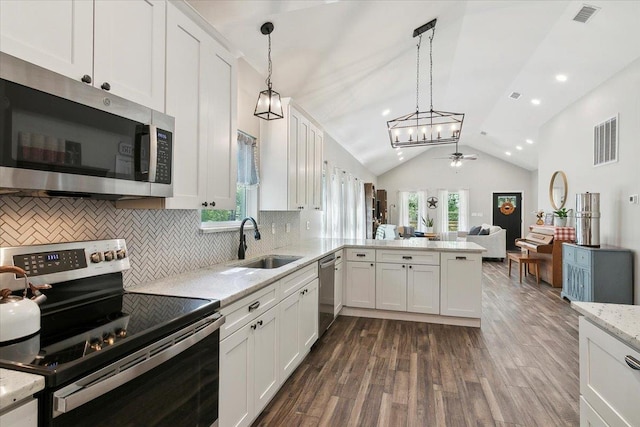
526	259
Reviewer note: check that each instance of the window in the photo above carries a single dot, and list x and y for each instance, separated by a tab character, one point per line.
246	188
413	210
453	211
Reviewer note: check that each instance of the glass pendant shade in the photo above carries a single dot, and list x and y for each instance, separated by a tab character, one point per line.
269	105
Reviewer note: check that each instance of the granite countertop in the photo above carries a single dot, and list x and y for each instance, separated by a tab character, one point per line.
230	282
16	386
621	320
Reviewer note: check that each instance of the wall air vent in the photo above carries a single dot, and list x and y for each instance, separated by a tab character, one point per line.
585	13
515	95
605	142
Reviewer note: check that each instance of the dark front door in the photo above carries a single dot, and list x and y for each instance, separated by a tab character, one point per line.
507	213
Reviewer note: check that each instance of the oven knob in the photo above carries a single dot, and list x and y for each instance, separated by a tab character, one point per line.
96	257
109	338
121	253
96	344
108	256
121	332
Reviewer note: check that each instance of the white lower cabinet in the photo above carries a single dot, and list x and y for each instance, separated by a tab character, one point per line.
423	289
25	415
609	386
298	327
391	286
249	370
361	284
461	284
338	286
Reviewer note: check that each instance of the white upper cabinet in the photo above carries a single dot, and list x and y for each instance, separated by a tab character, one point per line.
54	34
118	46
291	162
129	49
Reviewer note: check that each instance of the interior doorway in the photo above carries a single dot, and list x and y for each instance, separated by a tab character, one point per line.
507	213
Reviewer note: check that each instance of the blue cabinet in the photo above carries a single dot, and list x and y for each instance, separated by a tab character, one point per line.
602	274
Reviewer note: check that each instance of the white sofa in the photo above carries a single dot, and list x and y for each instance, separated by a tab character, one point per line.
495	243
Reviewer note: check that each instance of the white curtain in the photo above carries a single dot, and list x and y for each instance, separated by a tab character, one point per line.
349	211
443	211
361	216
463	210
422	210
403	208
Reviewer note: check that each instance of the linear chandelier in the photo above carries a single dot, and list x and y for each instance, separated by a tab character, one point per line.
425	128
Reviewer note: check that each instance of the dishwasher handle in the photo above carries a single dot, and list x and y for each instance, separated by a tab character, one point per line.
327	263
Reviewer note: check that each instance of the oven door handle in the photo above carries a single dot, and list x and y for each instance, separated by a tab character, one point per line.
109	378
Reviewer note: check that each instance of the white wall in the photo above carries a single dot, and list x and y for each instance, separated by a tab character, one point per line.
249	85
481	177
566	143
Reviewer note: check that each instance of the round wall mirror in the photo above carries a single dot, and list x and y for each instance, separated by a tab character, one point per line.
558	190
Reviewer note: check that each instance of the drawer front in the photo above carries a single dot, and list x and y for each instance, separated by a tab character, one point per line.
583	257
607	382
248	308
294	281
569	253
408	257
339	256
589	417
361	255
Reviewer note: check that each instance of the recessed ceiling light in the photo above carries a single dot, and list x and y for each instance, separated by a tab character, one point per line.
535	101
399	153
529	141
508	153
386	112
518	147
561	77
483	133
401	158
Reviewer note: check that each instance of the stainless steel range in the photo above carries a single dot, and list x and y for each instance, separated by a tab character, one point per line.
112	357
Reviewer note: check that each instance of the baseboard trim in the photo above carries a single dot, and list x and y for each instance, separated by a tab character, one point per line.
412	317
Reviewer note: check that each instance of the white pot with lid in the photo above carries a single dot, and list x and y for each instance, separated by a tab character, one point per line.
19	316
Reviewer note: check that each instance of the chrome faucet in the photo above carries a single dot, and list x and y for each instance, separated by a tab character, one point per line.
243	239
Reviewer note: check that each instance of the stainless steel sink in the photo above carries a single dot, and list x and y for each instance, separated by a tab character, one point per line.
269	261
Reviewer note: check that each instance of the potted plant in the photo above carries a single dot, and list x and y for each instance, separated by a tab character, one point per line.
428	223
560	219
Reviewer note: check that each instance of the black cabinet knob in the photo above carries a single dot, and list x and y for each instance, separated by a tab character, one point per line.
106	86
205	204
212	204
86	79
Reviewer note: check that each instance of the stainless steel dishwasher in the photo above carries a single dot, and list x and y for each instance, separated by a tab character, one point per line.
326	294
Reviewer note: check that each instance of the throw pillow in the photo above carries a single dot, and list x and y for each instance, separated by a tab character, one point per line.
494	229
484	232
474	231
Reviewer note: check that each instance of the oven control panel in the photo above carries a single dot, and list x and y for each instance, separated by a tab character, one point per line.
60	262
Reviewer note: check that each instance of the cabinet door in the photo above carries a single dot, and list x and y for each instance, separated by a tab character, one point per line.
423	289
290	344
391	286
461	286
186	101
317	169
25	415
236	378
298	138
129	49
222	163
338	282
309	315
361	285
266	369
588	416
54	34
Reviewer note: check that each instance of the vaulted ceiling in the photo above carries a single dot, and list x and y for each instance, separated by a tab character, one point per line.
346	62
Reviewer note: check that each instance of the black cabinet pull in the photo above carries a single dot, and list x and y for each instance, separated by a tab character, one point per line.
410	266
254	306
339	256
212	204
86	79
371	264
361	255
632	362
407	257
205	204
403	266
106	86
461	258
254	326
259	322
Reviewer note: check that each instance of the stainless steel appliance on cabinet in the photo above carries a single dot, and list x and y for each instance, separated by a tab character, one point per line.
111	357
60	137
326	293
588	219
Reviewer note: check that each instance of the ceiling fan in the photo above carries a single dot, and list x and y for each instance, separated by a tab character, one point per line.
457	157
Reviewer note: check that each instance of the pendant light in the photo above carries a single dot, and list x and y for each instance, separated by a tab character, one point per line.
425	128
269	105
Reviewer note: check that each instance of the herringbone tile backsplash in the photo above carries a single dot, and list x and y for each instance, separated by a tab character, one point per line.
161	243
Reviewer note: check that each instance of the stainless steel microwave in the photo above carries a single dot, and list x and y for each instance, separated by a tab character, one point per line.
61	137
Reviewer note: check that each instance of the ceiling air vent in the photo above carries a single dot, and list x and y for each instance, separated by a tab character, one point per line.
605	142
515	95
585	13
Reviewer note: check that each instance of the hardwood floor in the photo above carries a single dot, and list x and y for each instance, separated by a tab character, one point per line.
519	369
